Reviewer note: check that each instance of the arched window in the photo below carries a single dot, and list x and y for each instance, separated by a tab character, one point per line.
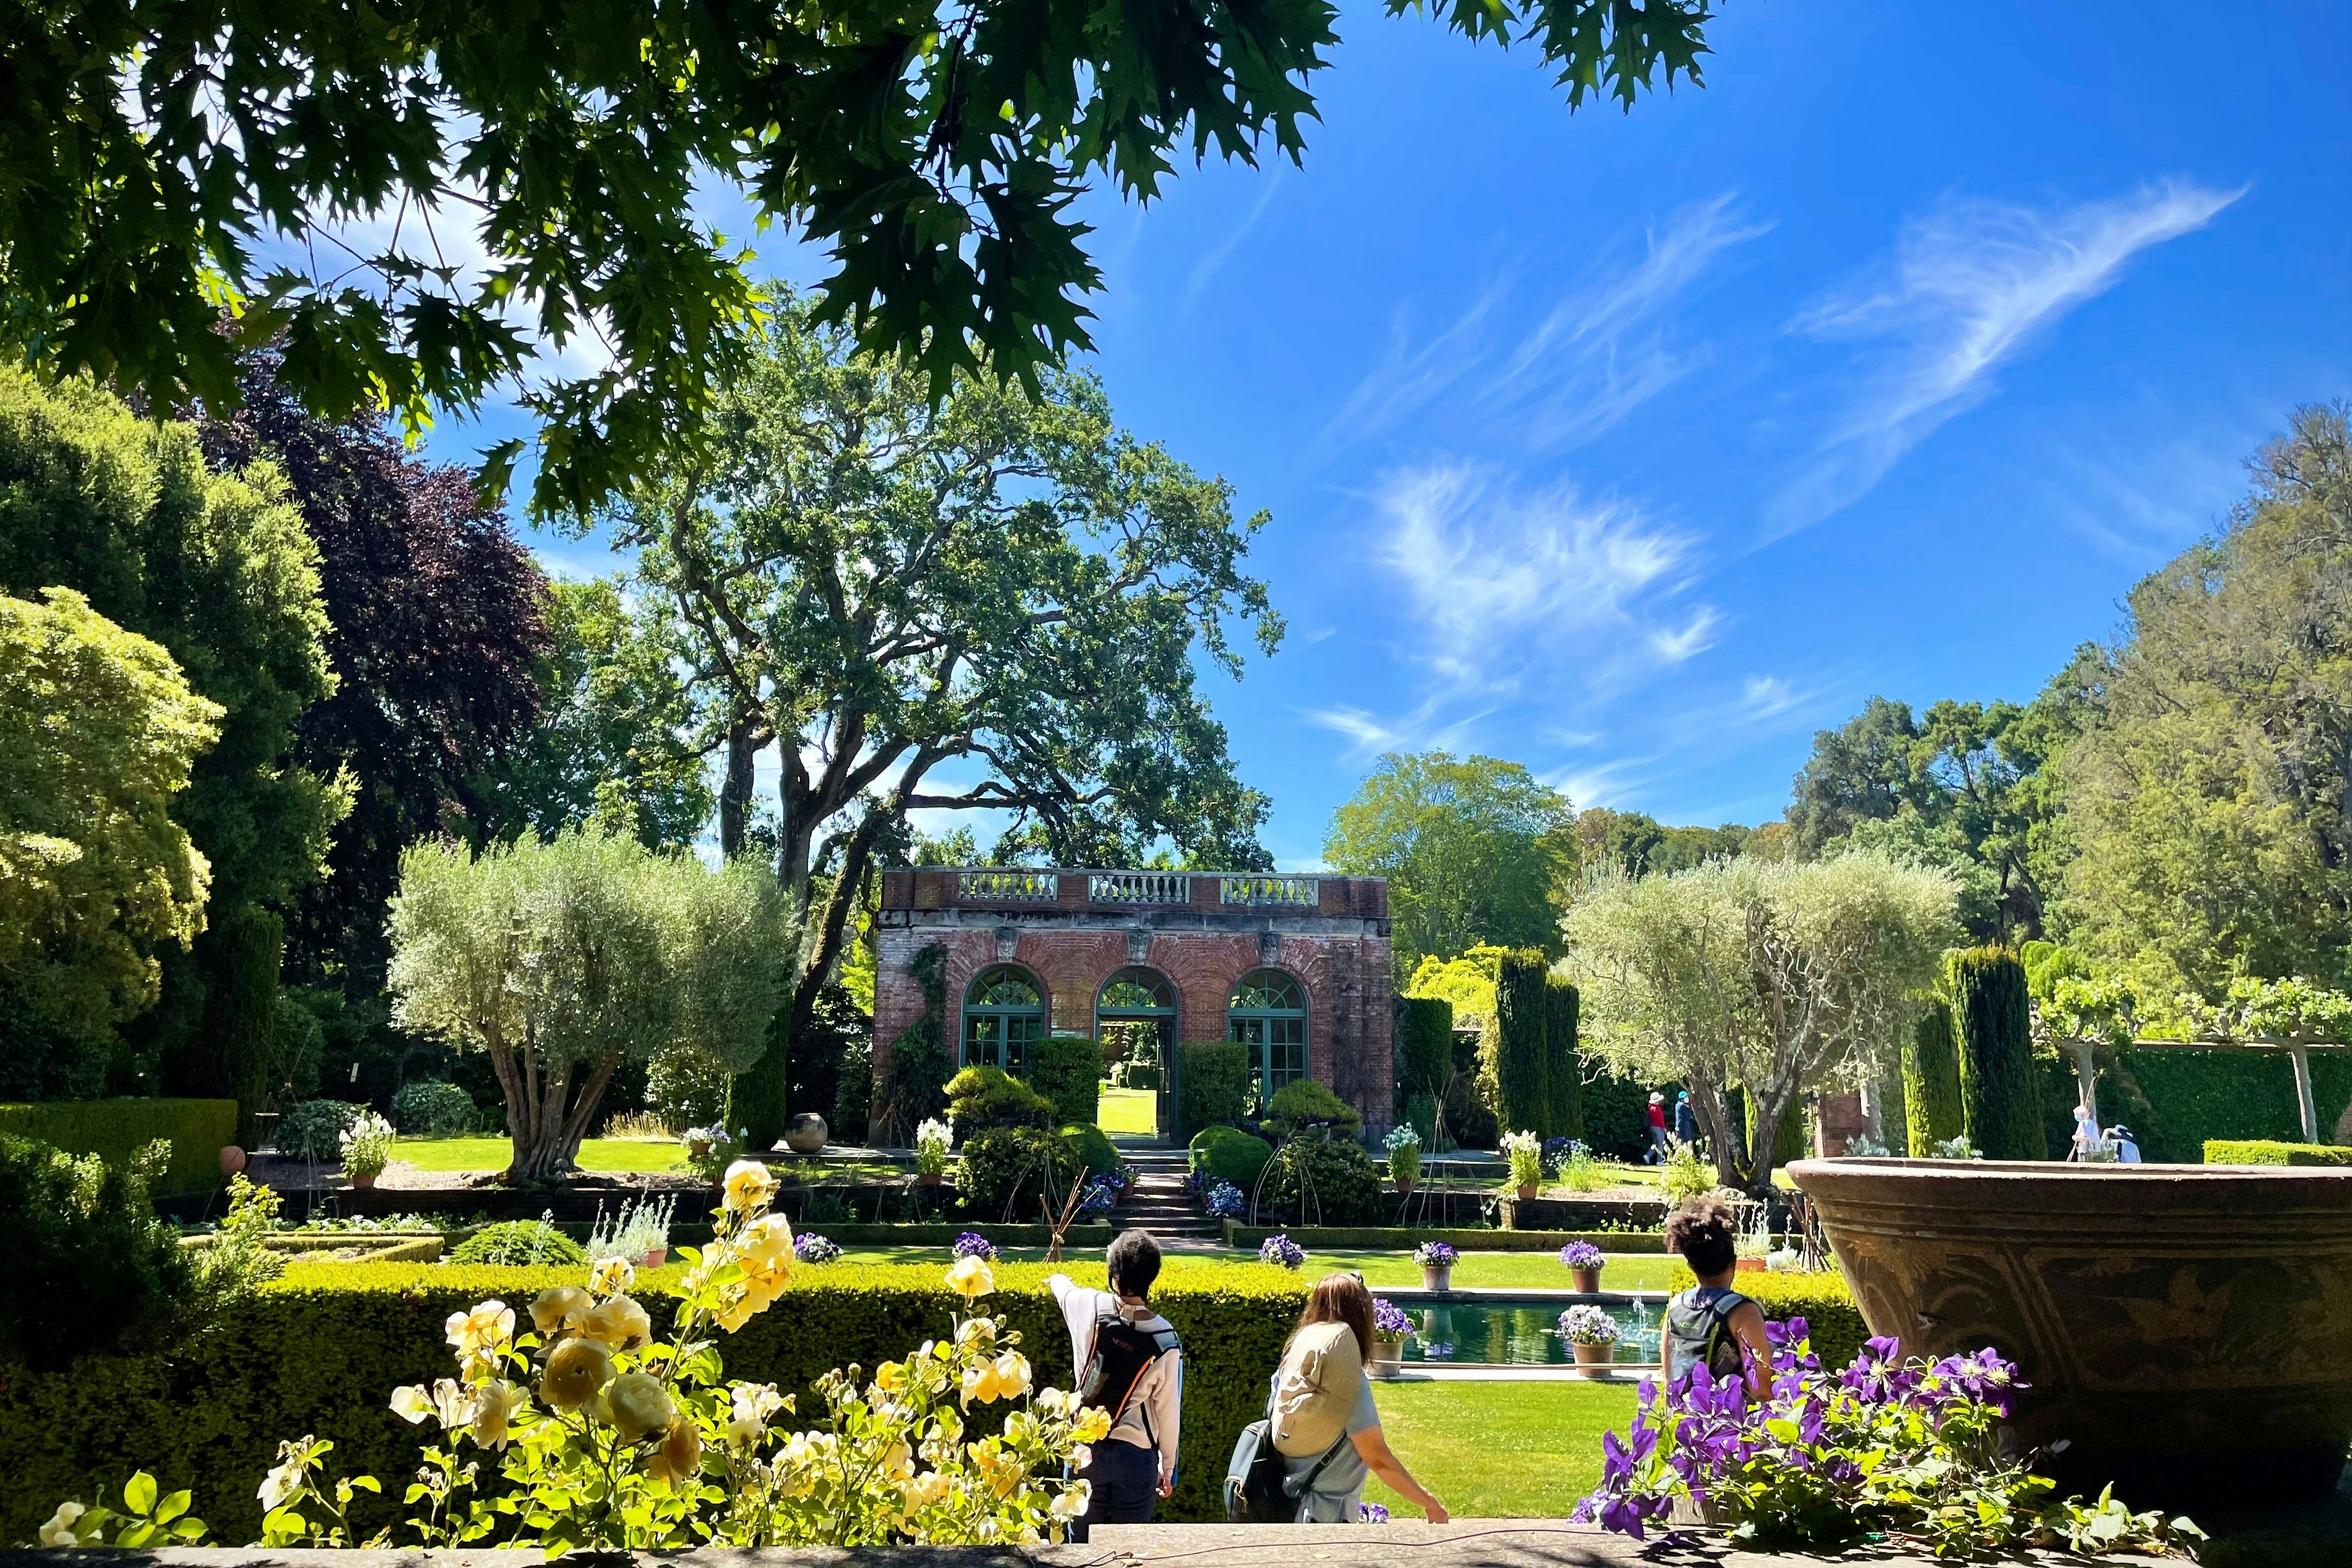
1135	1018
1004	1015
1268	1015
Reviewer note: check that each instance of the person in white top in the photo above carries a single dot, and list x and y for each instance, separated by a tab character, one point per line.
1128	1362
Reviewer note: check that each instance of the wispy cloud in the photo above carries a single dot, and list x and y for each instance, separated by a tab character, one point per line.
1426	729
1217	256
1599	349
1971	286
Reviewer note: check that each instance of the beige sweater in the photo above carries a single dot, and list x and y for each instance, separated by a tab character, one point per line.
1151	1417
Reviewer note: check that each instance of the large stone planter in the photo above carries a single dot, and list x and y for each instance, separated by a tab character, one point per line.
2186	1330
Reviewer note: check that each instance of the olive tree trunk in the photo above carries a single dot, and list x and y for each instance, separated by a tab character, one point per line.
548	1113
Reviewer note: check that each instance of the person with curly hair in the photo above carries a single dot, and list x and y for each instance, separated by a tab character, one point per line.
1711	1324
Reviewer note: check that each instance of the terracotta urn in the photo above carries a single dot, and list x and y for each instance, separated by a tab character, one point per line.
805	1133
1591	1359
363	1180
1586	1279
930	1178
1407	1183
2183	1331
1527	1193
657	1256
1437	1278
1750	1266
232	1158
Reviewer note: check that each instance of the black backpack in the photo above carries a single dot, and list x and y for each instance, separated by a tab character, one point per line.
1699	1334
1256	1491
1121	1354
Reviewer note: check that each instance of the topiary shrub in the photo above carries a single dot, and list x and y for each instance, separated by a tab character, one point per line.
519	1244
1229	1154
979	1098
1067	1071
1304	1102
1318	1181
1564	1066
1015	1172
427	1109
89	1266
2001	1092
314	1129
2270	1151
1931	1080
1093	1147
1213	1087
1425	1046
1521	1078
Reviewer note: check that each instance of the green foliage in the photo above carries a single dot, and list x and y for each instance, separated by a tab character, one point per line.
1616	1116
1318	1181
1425	1046
1305	1101
1471	847
117	1130
1095	1151
2265	1152
565	958
1932	1105
1467	981
1067	1069
90	1269
428	1109
1563	1064
518	1244
2175	1100
979	1098
239	1259
314	1129
98	734
1521	1065
1213	1087
2000	1093
1229	1154
212	1424
1010	1173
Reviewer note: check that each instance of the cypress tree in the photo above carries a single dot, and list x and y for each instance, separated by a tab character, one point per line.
1564	1066
1521	1096
1931	1081
2001	1092
1425	1046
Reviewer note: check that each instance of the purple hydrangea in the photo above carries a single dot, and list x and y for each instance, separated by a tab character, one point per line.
972	1243
1388	1320
1282	1250
811	1247
1435	1254
1581	1254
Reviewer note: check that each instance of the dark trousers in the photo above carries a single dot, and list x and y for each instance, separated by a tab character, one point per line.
1126	1481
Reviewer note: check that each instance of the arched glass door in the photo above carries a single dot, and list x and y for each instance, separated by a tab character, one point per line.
1135	1019
1004	1015
1268	1014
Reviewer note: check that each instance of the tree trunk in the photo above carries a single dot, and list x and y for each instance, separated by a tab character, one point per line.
1712	1107
546	1119
735	790
1764	1111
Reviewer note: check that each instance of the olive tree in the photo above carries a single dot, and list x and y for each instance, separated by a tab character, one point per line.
565	958
1774	977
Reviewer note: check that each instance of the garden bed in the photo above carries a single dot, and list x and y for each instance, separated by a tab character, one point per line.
1583	1213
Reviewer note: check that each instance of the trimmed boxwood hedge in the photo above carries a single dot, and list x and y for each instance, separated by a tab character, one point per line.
1823	1299
2175	1100
2269	1151
1213	1087
1404	1238
1093	1147
321	1351
1229	1154
1067	1071
114	1129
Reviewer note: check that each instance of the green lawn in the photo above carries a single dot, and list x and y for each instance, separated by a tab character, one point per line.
493	1154
1499	1450
1127	1110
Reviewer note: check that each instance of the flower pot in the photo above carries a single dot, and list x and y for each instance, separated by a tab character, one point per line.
1751	1266
1437	1278
1387	1353
697	1149
363	1180
1527	1193
655	1256
1591	1359
1586	1279
930	1178
1407	1183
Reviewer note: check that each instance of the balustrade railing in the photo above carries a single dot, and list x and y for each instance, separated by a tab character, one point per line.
1139	888
1260	892
1009	887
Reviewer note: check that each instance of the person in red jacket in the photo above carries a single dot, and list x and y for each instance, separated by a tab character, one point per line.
1657	1128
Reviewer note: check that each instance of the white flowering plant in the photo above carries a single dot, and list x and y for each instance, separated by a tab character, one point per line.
367	1145
1524	1151
932	1139
609	1435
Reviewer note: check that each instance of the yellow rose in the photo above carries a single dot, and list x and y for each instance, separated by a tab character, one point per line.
481	1336
748	1186
495	1403
639	1405
768	1237
678	1460
1012	1374
738	1312
970	1279
612	1276
980	1383
620	1322
577	1369
765	1281
562	1309
59	1530
1092	1427
890	1376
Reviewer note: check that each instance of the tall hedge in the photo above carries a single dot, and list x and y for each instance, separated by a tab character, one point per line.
322	1350
1617	1116
1563	1064
1522	1092
1067	1071
114	1129
2177	1101
1213	1088
1425	1038
1931	1080
2000	1091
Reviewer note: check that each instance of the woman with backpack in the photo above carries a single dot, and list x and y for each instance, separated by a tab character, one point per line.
1711	1324
1129	1363
1322	1419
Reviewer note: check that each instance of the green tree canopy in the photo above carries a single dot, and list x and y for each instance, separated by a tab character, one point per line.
1774	977
563	958
99	733
1472	848
148	150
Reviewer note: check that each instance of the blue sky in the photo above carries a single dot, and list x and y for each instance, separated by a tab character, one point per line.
1636	448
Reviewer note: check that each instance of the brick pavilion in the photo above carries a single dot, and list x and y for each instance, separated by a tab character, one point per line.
1296	968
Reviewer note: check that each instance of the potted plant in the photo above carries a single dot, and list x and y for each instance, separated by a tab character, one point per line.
1584	1262
367	1149
1752	1242
1391	1329
1592	1333
1404	1156
641	1234
700	1141
1437	1259
1282	1252
809	1248
932	1140
1524	1151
